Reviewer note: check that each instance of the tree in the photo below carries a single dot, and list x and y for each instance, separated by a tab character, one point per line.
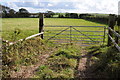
73	15
12	13
22	10
61	16
49	14
67	15
118	21
83	16
4	14
23	13
5	11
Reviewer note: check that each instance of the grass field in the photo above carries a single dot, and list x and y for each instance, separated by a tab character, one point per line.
35	58
29	26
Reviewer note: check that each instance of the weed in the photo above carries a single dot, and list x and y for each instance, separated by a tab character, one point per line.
107	62
22	54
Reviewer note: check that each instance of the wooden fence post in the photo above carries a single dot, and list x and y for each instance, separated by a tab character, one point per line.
116	38
41	24
117	30
111	25
118	23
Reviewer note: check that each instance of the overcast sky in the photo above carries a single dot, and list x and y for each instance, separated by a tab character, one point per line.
75	6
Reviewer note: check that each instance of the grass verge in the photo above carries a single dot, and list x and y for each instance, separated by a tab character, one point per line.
60	64
106	61
24	53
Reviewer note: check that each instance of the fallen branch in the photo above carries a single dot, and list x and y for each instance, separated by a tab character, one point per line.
11	43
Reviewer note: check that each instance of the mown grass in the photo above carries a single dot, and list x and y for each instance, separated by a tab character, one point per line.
26	26
29	26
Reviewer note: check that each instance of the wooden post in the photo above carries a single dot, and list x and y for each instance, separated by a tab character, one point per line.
116	38
41	24
111	22
117	30
118	23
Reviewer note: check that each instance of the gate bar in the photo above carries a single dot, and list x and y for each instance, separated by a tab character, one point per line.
83	34
72	26
58	33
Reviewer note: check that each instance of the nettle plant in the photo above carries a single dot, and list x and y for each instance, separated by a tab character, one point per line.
15	34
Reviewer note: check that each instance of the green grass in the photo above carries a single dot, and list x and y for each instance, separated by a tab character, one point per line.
26	26
60	64
30	52
70	22
25	53
107	61
73	22
29	26
63	59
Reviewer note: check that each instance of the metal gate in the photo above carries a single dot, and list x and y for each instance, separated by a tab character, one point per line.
80	35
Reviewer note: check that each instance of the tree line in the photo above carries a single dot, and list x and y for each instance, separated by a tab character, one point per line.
24	13
11	13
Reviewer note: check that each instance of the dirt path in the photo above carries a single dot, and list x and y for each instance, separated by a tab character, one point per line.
82	69
28	71
83	66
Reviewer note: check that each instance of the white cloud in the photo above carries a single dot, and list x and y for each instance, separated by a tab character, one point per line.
12	5
66	5
36	2
50	4
97	6
119	8
82	6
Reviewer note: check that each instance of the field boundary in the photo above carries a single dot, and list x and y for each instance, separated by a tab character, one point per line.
113	34
113	41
